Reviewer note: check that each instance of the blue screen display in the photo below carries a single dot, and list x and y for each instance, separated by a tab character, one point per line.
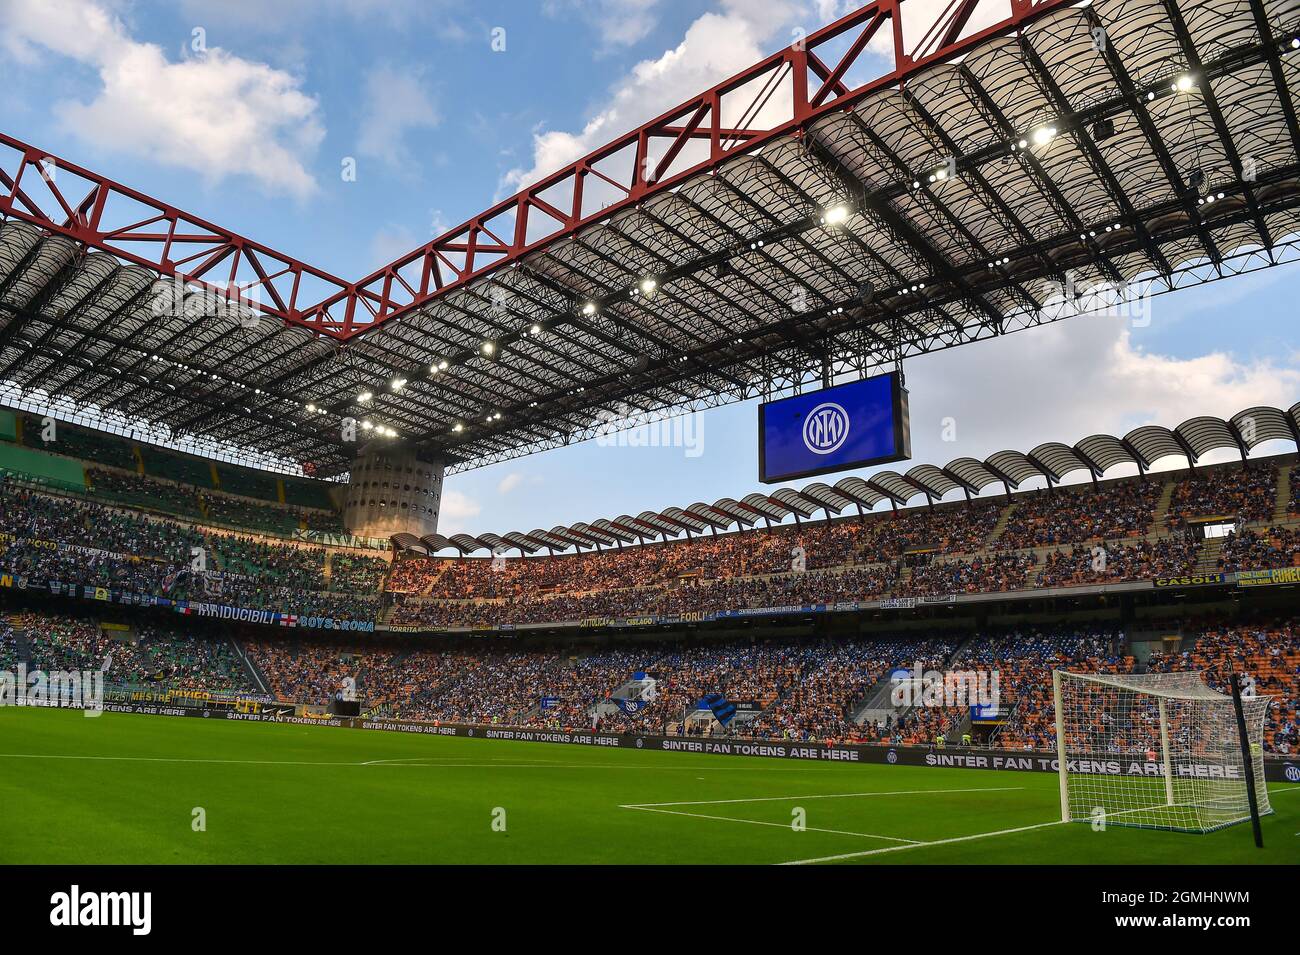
848	426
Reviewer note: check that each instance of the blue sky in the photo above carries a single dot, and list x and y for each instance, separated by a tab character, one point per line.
243	112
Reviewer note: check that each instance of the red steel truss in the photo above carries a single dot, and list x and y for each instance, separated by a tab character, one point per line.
778	96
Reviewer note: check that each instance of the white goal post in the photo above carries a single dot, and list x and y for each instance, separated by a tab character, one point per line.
1155	750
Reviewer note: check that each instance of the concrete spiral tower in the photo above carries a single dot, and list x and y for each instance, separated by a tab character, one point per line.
392	490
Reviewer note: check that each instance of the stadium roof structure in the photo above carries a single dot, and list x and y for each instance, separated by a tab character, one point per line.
813	217
1051	461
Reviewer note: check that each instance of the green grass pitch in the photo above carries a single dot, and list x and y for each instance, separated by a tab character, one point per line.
123	789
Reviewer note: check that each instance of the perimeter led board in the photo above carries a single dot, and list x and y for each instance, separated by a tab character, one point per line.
849	426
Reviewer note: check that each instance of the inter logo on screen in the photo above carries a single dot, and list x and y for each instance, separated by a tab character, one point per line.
826	428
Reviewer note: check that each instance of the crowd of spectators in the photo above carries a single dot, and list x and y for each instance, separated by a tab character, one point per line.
1024	660
751	553
781	689
1248	493
687	596
799	690
133	490
1100	534
1267	655
327	522
233	510
238	512
833	678
91	544
995	572
1106	562
150	656
1265	549
1066	515
8	645
357	573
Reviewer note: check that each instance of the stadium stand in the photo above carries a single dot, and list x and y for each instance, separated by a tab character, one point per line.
1247	493
1066	515
1268	653
761	689
131	490
85	444
236	512
1090	564
1060	537
8	645
74	541
1269	547
144	477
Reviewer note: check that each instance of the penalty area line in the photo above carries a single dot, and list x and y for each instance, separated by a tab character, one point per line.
778	825
921	845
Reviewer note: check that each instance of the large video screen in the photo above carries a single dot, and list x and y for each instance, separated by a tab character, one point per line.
848	426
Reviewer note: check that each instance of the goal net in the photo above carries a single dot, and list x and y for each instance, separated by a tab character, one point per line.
1155	750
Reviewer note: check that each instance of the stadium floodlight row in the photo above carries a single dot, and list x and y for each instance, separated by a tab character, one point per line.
1112	151
1052	461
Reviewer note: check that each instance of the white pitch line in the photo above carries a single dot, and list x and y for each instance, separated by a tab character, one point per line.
759	822
921	845
897	792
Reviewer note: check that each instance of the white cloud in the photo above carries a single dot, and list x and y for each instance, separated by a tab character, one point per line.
291	14
395	104
515	480
214	113
451	31
457	512
618	22
1075	378
716	46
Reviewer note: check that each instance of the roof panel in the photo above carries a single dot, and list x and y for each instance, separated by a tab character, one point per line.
1259	424
1106	451
860	492
1015	465
794	502
1207	433
1154	442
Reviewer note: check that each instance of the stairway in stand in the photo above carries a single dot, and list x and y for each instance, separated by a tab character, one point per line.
1282	506
999	527
1160	516
1207	558
21	644
900	584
